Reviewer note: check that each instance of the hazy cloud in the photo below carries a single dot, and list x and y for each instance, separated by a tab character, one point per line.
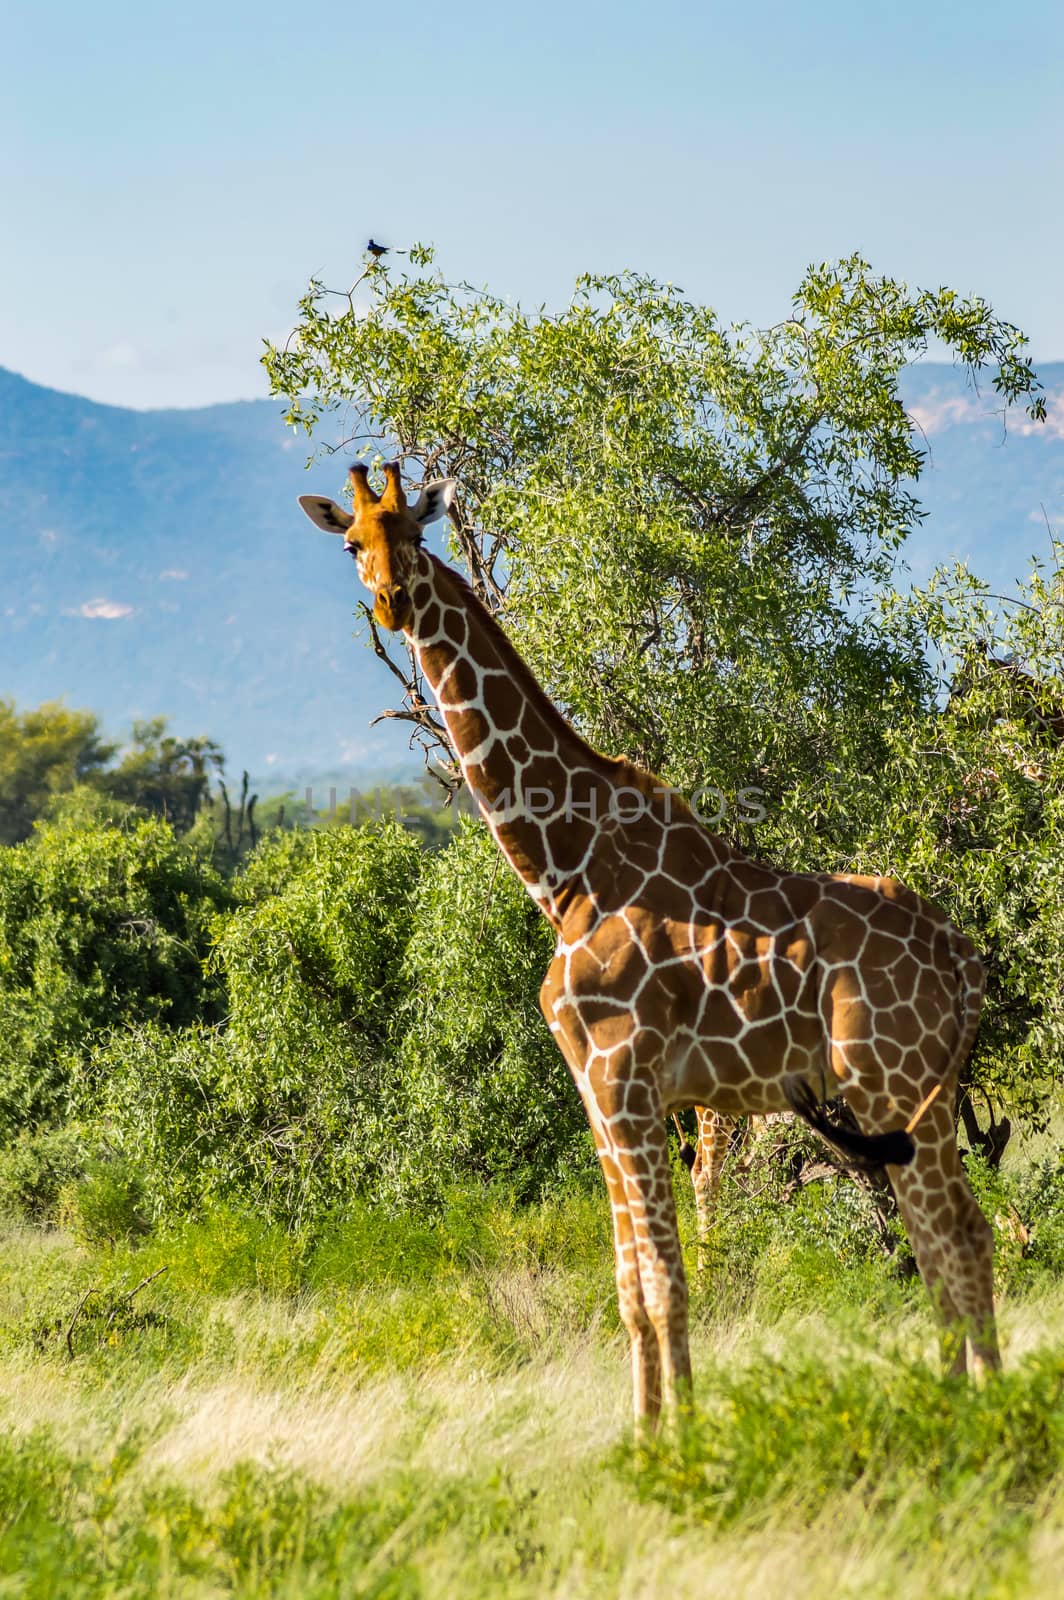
352	750
935	414
103	610
122	356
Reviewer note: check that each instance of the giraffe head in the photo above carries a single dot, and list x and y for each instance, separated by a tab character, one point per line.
384	535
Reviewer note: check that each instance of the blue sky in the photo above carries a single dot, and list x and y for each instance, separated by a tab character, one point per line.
172	176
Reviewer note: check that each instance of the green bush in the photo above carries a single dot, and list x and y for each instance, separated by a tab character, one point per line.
35	1168
489	1098
294	1106
107	1206
370	1245
321	938
383	1040
1037	1191
99	924
205	1120
224	1252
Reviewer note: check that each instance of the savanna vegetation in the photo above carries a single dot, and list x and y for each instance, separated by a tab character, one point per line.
307	1283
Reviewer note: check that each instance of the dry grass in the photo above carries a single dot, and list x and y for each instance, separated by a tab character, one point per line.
544	1422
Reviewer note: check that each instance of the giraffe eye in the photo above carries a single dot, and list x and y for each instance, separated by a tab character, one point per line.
352	548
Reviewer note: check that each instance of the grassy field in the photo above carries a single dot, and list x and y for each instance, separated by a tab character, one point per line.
442	1409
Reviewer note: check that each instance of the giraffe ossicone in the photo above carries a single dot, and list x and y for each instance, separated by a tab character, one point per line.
686	973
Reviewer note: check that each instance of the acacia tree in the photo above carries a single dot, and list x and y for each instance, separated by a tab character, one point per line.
691	531
49	750
686	526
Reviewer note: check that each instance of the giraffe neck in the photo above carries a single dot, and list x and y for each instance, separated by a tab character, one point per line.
541	789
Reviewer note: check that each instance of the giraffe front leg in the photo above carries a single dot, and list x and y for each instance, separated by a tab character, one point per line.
624	1110
643	1339
642	1158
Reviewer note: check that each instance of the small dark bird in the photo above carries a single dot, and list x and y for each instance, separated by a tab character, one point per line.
377	250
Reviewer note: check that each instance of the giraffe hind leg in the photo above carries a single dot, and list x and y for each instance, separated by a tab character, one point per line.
950	1233
951	1239
714	1135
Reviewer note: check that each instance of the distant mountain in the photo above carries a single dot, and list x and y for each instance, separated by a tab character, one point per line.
156	563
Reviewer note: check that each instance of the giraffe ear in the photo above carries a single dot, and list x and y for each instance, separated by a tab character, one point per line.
326	514
434	500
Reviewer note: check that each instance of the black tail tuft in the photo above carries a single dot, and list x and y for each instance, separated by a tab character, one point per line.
894	1149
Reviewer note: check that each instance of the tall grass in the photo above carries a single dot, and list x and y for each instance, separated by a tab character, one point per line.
440	1407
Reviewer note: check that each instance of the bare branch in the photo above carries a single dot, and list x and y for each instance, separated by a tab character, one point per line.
379	650
126	1299
82	1303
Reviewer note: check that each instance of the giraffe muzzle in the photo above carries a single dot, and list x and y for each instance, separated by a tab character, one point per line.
392	607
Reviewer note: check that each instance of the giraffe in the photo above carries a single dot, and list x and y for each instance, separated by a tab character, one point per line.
686	973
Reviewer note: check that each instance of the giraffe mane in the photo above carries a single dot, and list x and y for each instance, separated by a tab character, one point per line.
617	769
518	668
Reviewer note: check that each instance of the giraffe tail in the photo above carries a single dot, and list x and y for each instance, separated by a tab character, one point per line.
894	1149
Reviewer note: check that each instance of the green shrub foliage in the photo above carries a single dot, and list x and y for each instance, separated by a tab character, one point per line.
382	1038
100	922
292	1105
967	807
488	1096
